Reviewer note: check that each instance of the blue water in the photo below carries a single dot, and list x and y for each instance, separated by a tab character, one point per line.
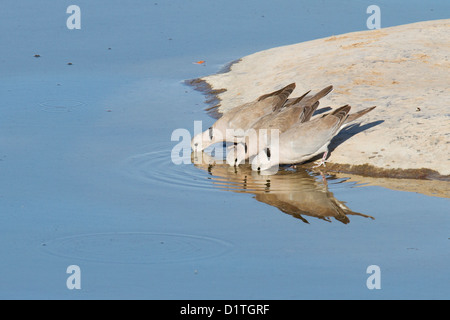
86	177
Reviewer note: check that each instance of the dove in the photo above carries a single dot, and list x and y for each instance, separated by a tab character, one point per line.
241	118
295	110
304	140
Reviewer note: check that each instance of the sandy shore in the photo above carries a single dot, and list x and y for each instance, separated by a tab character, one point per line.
403	70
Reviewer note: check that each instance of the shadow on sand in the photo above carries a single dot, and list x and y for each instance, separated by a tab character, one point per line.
350	131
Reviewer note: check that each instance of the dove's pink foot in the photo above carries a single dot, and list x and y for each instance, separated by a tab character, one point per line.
321	161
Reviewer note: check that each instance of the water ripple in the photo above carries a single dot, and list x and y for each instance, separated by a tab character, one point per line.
137	247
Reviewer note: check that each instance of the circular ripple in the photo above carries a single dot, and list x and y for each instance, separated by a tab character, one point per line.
137	248
157	166
60	105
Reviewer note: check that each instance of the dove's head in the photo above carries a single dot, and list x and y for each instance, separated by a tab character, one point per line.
237	154
203	140
264	161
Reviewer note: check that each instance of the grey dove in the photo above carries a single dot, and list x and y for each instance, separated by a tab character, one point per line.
256	138
241	118
304	140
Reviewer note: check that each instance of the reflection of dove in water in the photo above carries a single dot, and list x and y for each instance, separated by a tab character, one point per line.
257	137
315	201
241	118
303	141
295	193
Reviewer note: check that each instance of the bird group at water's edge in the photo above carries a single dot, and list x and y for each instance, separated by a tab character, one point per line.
275	129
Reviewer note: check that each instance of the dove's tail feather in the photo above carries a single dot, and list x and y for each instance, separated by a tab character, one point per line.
284	92
293	101
279	97
309	111
341	113
319	95
356	115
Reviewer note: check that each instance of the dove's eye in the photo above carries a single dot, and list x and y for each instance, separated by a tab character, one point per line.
268	152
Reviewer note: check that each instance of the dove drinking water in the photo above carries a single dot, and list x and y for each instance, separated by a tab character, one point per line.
241	118
305	140
256	138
